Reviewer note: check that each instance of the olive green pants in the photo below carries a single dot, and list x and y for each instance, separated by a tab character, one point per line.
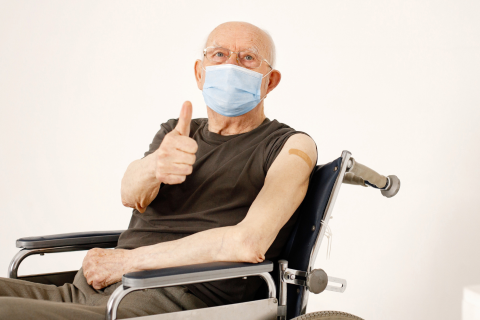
26	300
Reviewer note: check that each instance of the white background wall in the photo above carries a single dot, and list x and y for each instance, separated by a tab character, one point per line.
84	86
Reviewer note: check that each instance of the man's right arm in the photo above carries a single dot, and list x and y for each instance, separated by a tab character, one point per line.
169	164
139	184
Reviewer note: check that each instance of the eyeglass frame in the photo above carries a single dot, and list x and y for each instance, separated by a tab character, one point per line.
237	52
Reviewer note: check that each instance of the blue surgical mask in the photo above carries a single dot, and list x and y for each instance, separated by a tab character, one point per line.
231	90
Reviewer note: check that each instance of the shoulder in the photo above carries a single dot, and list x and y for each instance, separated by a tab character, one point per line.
302	141
168	126
296	160
286	134
303	146
275	126
172	123
284	137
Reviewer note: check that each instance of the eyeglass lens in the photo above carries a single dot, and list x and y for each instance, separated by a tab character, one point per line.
247	59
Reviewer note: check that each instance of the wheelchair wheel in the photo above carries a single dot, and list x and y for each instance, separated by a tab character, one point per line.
328	315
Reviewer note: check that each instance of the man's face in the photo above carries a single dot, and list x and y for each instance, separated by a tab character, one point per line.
238	37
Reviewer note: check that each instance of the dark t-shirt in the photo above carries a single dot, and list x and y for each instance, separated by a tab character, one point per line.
227	176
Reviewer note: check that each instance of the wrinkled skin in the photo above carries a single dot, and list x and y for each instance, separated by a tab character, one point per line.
103	267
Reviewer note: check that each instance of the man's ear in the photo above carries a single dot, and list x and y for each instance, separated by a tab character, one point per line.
273	80
199	75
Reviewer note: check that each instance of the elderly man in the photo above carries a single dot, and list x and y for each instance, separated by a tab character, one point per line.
224	188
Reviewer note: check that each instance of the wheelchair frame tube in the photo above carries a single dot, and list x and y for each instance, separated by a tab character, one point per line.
282	290
24	253
328	212
122	291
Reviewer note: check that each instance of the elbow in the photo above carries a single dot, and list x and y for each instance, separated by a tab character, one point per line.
248	254
129	204
123	194
254	256
126	195
126	203
249	248
126	188
125	200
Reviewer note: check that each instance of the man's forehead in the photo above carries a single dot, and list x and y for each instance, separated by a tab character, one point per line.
238	38
238	46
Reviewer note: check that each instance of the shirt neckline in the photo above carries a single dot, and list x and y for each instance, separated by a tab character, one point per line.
215	138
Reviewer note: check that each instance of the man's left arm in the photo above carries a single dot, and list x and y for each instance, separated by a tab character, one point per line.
285	187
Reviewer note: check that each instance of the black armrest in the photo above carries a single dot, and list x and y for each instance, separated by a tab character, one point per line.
194	273
104	238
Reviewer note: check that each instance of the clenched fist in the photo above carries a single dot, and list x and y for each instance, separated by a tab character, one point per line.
103	267
176	154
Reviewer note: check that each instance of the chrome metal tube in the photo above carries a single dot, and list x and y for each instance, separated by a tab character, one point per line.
16	261
114	301
22	254
272	291
282	290
122	291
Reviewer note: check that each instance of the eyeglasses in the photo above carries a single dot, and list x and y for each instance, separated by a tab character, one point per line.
247	59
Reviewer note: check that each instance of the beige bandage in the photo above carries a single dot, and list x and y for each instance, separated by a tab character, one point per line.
302	155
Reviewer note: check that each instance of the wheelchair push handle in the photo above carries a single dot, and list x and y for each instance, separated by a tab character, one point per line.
359	174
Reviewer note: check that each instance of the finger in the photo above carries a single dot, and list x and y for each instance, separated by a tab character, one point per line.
173	179
97	285
179	169
102	284
179	156
89	281
98	282
183	125
175	168
111	280
175	156
185	144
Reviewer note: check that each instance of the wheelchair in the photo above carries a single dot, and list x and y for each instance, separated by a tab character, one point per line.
288	281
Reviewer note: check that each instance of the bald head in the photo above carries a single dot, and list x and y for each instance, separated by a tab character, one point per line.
239	36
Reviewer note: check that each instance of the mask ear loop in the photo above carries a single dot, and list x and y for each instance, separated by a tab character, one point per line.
267	73
262	79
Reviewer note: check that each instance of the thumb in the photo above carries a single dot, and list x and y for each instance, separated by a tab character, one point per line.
183	125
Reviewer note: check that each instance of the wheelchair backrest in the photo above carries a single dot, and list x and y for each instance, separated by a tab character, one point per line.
302	247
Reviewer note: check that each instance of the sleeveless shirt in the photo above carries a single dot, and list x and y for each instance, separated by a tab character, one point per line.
227	176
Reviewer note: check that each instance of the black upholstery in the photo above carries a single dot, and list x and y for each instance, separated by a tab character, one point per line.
69	239
301	242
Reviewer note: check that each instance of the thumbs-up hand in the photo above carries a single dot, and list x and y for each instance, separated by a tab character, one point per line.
176	155
183	124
